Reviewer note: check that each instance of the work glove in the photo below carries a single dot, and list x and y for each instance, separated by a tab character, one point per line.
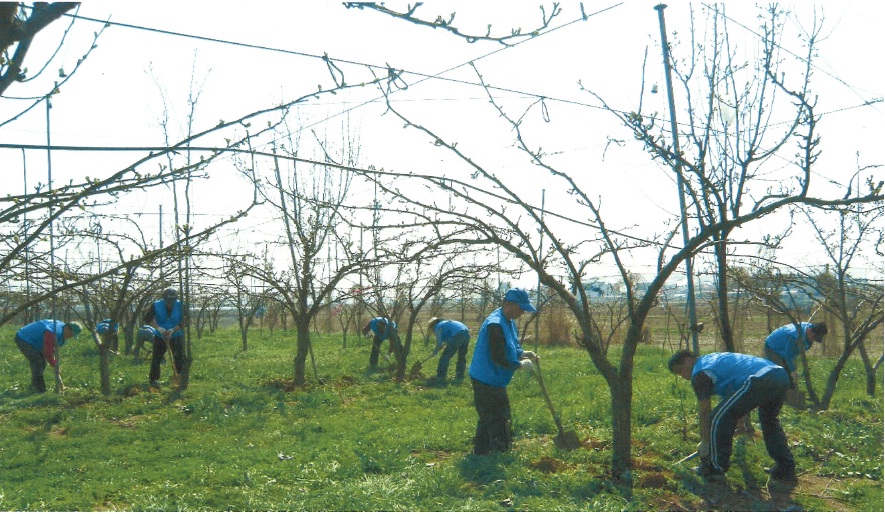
530	355
526	364
703	449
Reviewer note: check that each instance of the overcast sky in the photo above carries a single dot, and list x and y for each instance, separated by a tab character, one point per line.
249	56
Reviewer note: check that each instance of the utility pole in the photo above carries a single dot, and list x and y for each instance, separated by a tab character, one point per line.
665	47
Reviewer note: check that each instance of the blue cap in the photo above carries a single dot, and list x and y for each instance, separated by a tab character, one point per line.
518	296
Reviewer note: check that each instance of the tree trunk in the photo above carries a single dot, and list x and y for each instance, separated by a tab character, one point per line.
622	408
725	329
104	364
303	343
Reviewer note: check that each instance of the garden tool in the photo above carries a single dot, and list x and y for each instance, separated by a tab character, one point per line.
563	440
687	458
416	368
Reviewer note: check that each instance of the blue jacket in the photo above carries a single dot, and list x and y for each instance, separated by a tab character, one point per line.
482	367
390	329
33	333
167	321
446	329
785	343
729	370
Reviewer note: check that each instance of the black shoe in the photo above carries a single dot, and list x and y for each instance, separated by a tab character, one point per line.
784	473
436	382
708	472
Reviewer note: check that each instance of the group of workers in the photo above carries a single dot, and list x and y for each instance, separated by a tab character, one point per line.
744	382
164	322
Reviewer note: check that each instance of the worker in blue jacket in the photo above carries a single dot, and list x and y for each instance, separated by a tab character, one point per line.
382	329
452	337
497	355
783	345
37	342
744	383
167	317
108	329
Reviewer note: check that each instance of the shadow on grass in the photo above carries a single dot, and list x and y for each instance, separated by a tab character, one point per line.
485	469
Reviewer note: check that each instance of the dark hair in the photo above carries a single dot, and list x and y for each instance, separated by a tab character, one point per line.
819	330
678	358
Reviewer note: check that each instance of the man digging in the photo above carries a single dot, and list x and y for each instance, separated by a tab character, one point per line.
744	383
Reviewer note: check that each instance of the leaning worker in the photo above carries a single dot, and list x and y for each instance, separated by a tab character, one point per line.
744	383
382	329
497	355
108	330
167	318
451	337
37	342
782	345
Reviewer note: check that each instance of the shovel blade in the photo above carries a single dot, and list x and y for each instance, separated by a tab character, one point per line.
567	440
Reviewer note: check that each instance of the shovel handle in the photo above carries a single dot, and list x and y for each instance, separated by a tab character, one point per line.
547	398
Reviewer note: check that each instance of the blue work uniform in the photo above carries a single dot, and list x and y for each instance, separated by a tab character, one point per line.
382	329
782	345
30	341
495	358
744	383
167	319
456	338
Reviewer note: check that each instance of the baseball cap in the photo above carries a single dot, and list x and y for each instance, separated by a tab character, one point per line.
518	296
170	294
76	328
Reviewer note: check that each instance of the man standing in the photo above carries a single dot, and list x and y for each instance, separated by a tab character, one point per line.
744	383
455	337
382	329
167	318
498	354
37	342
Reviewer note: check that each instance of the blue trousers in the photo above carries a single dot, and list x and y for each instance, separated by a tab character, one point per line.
766	393
458	344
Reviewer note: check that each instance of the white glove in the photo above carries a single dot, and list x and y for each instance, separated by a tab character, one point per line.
526	364
530	355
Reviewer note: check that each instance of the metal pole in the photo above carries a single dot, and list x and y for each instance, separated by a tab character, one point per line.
665	47
52	247
28	312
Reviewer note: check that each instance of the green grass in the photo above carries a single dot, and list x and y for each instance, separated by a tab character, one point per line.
240	439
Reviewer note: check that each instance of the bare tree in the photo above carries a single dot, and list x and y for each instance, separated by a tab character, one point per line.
494	213
309	199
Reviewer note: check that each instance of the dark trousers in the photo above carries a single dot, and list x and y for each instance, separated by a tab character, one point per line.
458	344
177	346
394	347
493	429
37	361
767	393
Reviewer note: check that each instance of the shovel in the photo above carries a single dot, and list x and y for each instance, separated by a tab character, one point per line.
687	458
416	368
563	440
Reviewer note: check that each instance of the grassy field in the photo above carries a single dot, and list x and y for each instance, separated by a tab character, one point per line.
240	439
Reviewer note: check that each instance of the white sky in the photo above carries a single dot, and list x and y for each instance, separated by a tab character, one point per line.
114	100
